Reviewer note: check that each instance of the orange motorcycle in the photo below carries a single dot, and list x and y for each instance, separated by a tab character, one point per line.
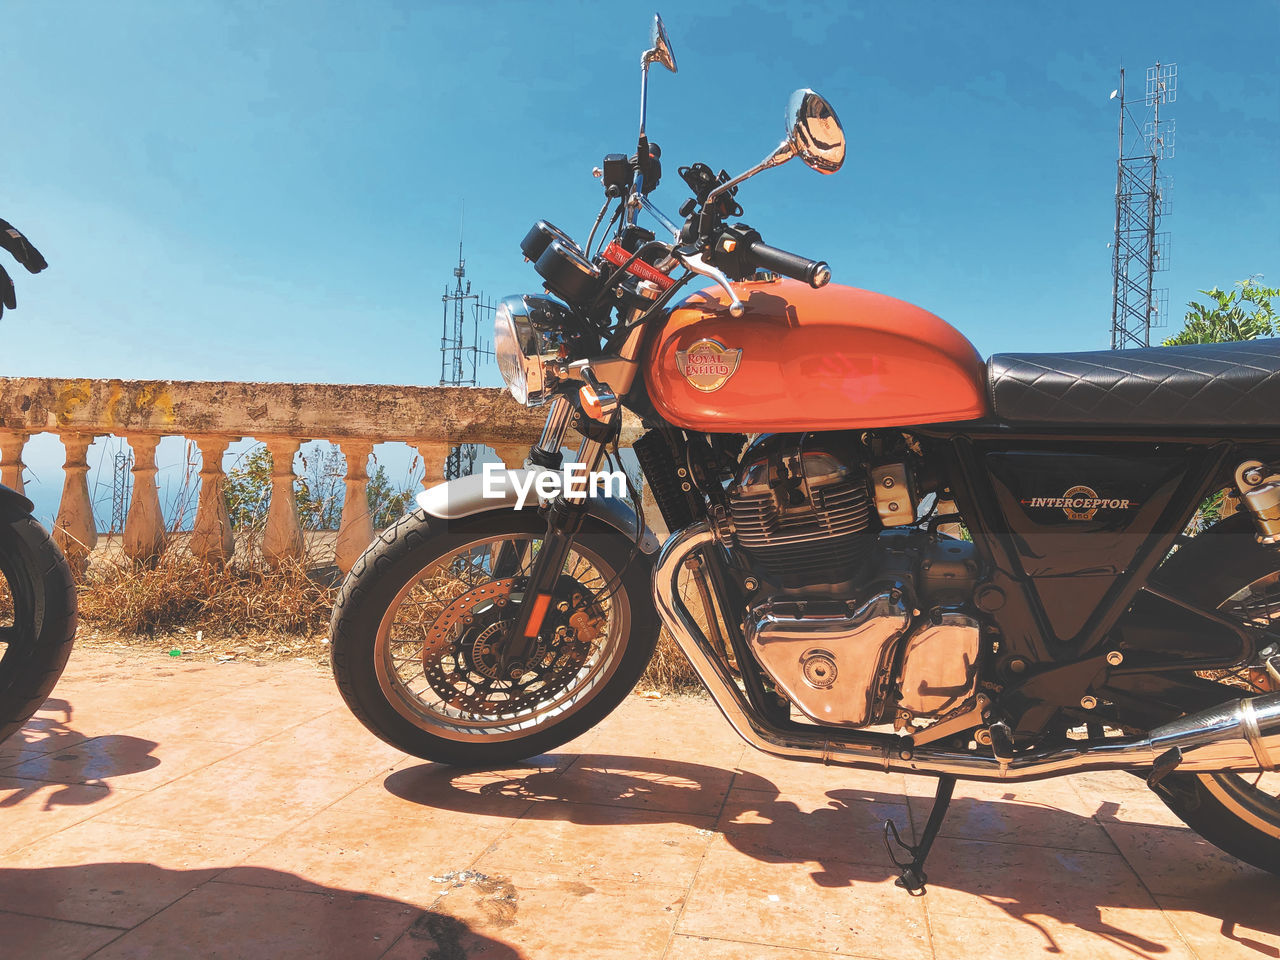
884	551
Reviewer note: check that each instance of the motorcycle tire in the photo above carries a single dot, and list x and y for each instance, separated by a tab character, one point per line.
411	628
37	618
1222	564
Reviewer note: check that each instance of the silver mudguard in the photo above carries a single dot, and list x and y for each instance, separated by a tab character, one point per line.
467	496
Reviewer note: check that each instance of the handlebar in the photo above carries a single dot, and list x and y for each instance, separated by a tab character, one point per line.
816	273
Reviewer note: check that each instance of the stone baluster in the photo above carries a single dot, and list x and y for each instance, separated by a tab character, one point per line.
355	532
434	457
74	530
211	538
144	526
11	444
282	539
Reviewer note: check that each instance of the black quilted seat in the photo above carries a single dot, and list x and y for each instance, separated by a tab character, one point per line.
1209	384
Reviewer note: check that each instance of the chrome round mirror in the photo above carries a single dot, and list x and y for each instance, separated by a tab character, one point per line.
814	131
660	43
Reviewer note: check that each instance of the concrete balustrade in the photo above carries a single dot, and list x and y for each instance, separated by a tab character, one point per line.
430	420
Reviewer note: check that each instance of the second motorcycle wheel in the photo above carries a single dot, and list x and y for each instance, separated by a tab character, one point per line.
419	637
37	618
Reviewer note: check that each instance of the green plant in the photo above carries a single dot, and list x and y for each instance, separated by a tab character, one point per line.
1242	313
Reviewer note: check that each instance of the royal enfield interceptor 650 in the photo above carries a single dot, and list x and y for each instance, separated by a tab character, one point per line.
884	552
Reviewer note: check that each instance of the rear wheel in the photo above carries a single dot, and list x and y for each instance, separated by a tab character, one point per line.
421	646
37	619
1227	569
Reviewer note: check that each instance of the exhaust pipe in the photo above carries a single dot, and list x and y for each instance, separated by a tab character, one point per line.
1242	735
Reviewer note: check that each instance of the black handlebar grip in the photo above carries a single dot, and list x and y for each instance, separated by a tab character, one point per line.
815	273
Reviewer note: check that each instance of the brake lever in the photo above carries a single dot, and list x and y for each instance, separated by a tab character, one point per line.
698	264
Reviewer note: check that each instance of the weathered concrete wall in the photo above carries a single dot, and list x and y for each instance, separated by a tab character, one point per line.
303	410
215	413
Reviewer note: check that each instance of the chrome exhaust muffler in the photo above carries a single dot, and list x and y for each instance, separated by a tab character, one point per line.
1242	735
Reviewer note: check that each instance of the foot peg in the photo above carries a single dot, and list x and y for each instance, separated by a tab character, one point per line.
912	877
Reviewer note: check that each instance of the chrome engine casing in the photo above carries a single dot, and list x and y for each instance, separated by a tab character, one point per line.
833	660
939	664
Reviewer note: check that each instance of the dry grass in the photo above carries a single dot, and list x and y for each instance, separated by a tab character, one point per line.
251	612
180	591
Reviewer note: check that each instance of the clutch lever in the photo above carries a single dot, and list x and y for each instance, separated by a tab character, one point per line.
696	263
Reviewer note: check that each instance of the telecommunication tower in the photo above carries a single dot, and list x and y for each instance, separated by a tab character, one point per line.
121	487
1140	249
462	352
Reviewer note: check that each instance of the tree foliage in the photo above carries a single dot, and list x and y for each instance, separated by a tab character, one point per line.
1243	313
318	493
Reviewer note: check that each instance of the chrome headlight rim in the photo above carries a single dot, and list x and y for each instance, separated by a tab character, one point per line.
528	342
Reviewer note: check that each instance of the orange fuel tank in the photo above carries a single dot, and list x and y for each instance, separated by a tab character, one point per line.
803	359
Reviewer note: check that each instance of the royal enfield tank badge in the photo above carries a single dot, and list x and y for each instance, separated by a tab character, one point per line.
708	364
1080	503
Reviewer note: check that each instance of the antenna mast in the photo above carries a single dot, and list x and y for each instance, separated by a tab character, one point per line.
462	351
1142	200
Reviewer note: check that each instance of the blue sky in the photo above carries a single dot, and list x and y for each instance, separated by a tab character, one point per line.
272	190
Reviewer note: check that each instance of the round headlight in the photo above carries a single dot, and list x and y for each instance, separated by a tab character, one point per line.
528	336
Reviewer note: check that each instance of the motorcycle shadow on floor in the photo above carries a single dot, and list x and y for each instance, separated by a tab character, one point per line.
1047	863
140	909
48	749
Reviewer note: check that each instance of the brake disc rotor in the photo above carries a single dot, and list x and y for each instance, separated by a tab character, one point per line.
462	655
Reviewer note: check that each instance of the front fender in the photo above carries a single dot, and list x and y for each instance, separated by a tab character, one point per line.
467	496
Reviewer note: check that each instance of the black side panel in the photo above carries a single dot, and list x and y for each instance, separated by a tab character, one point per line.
1077	520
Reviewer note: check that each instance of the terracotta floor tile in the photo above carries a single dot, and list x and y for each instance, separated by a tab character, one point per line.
230	920
239	716
235	798
842	827
353	846
31	810
761	771
1237	919
735	896
704	948
502	919
11	758
51	939
1145	809
1019	813
996	881
584	842
1119	935
127	761
332	745
111	874
411	790
1176	862
648	783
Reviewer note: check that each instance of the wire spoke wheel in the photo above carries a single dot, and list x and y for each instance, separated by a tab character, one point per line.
1255	797
444	655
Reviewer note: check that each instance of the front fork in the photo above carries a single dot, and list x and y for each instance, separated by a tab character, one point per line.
565	515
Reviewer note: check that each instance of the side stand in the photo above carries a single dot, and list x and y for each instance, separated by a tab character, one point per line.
912	876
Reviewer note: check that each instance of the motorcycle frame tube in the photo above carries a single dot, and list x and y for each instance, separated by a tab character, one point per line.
1243	735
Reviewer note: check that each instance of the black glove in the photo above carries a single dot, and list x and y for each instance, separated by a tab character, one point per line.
22	250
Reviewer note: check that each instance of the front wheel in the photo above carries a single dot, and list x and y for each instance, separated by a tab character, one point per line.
420	642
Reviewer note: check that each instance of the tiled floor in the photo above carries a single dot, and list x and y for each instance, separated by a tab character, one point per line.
158	808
